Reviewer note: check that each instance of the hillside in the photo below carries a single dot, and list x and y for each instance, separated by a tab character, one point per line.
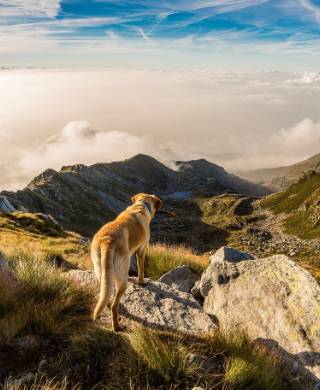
300	204
281	178
82	198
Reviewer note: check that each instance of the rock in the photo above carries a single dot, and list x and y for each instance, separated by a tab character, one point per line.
269	299
42	364
181	278
156	305
196	292
7	277
5	206
230	254
243	206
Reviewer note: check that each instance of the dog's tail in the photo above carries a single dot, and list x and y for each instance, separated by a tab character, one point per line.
105	270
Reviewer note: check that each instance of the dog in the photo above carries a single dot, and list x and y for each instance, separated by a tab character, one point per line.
114	244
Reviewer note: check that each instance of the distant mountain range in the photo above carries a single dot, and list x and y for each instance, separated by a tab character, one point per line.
278	179
82	198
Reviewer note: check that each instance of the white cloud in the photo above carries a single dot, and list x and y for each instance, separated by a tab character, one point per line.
241	120
48	8
306	78
80	142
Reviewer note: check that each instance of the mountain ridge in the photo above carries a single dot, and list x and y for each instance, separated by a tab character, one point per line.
280	178
82	197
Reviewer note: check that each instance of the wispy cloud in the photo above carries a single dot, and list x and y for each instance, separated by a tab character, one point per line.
310	6
143	34
48	8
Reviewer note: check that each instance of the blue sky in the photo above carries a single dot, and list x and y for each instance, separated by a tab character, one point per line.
235	34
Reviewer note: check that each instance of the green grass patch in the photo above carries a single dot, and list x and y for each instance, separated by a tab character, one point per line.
291	199
162	258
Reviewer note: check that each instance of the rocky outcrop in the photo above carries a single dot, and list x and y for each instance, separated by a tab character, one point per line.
7	277
273	300
181	278
155	305
5	205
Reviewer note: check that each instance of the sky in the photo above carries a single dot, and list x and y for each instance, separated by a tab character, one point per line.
241	120
233	34
83	81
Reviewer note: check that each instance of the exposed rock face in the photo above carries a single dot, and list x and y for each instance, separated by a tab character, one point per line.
156	305
271	299
5	205
7	277
181	278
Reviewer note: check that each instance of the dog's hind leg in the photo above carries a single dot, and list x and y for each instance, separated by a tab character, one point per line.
141	254
96	261
106	284
121	281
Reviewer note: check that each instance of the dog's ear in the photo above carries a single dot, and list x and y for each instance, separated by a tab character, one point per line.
135	197
157	202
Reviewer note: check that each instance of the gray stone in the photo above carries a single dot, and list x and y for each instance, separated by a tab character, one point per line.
270	299
5	206
229	254
181	278
42	364
196	291
155	305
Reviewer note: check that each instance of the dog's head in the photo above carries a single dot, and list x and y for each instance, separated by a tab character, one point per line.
152	200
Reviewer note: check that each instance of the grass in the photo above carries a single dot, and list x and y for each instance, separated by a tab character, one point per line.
249	366
169	359
291	199
300	203
32	236
163	258
83	355
51	304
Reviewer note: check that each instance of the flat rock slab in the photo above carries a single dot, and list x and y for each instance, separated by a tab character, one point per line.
273	300
155	305
180	278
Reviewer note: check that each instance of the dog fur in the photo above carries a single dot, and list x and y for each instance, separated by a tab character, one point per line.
114	244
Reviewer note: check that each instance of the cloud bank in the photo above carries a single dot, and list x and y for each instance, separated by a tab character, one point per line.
241	120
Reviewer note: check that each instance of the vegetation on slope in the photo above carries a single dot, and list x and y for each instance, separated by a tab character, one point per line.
301	204
55	322
38	234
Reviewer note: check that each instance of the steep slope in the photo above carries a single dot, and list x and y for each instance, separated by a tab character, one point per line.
281	178
205	169
301	203
82	198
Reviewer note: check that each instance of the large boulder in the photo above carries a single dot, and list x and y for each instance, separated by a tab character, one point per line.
180	278
7	277
272	300
155	305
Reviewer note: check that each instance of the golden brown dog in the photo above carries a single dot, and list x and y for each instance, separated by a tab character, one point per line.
114	244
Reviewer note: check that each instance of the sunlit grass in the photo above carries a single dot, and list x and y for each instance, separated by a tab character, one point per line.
163	258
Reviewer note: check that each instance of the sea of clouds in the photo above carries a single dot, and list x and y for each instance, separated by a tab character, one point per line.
241	120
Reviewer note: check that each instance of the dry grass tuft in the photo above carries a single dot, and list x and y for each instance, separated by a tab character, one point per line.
162	258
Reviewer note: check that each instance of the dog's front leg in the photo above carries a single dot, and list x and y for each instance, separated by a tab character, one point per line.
141	254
